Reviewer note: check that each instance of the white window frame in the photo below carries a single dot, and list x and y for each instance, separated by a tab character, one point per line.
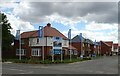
88	45
36	52
65	43
23	52
75	52
83	44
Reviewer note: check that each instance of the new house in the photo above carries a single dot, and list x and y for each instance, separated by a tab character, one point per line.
85	46
52	43
106	47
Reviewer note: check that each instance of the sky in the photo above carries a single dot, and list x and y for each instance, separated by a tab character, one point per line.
95	20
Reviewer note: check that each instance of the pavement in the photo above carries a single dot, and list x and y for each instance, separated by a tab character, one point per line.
103	65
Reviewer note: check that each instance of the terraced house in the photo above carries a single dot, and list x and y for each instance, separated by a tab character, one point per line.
53	42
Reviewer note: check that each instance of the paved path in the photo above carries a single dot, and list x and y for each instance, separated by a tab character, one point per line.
104	65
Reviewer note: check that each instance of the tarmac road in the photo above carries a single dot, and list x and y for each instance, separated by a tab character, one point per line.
103	65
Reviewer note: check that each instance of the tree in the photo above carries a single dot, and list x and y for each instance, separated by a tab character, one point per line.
7	37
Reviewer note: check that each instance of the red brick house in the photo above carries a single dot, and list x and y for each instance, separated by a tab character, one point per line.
31	44
115	49
97	48
87	45
106	48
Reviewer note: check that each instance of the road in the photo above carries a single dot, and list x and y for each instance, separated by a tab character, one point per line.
104	65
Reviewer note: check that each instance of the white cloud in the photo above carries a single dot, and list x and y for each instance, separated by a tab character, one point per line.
90	11
8	5
101	26
97	35
37	13
18	24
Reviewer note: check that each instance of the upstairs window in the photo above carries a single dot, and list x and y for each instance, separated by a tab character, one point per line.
83	44
37	40
22	41
88	45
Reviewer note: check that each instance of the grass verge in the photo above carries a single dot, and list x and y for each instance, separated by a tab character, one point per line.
31	61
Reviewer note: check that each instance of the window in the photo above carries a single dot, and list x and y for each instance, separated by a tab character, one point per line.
72	52
88	45
83	44
37	40
36	52
65	42
57	44
57	38
23	52
75	52
22	41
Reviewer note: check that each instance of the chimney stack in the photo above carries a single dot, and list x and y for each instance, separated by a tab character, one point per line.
49	25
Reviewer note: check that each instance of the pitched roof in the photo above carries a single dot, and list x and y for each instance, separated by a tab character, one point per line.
97	43
48	32
115	46
77	39
110	43
104	43
89	41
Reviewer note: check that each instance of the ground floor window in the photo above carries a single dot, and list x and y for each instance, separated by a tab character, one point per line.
23	52
75	52
36	52
72	52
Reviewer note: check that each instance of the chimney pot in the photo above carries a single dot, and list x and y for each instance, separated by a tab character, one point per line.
49	25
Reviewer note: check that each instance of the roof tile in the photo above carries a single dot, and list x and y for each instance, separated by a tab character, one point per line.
48	31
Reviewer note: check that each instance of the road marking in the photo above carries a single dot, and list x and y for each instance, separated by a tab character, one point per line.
80	62
13	69
30	72
17	69
7	62
100	72
38	67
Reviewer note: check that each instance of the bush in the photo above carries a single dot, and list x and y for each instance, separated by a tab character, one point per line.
47	61
87	58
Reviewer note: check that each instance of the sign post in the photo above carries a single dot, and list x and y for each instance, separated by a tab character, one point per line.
57	47
18	37
81	45
41	35
69	37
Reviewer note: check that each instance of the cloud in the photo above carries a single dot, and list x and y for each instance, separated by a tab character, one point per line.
101	26
18	24
36	12
8	5
112	36
99	17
